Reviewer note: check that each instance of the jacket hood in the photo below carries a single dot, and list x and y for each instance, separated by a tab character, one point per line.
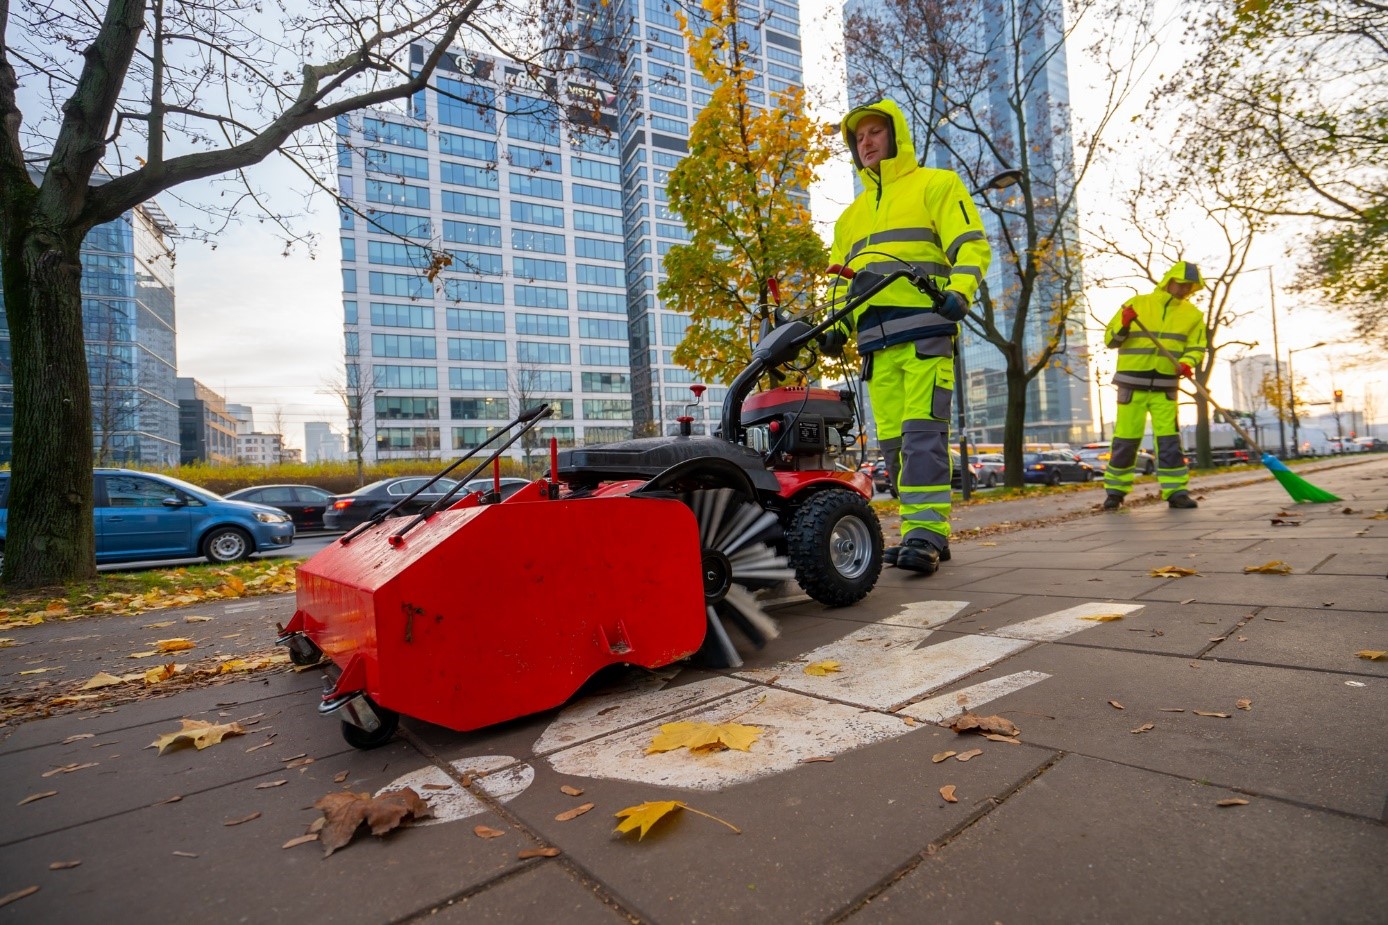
900	160
1183	272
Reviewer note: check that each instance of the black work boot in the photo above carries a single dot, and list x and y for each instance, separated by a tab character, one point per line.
918	555
1181	500
891	552
1113	501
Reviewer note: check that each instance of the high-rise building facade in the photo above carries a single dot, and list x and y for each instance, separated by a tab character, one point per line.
206	432
322	443
1058	408
129	326
554	230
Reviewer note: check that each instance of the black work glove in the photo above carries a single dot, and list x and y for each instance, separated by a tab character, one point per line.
954	306
832	342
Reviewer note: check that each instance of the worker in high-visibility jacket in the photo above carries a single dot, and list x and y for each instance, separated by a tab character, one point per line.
1147	379
924	217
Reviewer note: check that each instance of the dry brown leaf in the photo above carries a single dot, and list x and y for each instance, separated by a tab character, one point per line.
1145	727
429	786
197	619
1244	704
298	763
529	853
242	819
1115	704
571	791
64	865
947	792
941	756
1205	713
910	720
1171	709
271	783
18	894
703	737
826	667
160	674
158	626
1172	571
817	758
486	831
101	679
1274	567
347	811
1232	801
1372	655
256	748
574	813
79	737
69	768
1104	617
184	854
971	753
42	670
198	733
994	737
339	777
969	722
34	797
301	840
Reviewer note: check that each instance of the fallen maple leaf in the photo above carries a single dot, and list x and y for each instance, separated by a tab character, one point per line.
1172	571
644	815
703	737
826	667
571	791
198	733
160	673
969	722
486	831
947	792
101	679
1011	740
1372	655
1274	567
1115	704
174	645
574	813
345	812
1104	617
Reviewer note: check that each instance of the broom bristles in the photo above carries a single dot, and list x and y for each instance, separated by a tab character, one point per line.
1301	490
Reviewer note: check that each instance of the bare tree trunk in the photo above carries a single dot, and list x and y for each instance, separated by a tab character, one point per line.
1014	425
1204	456
52	412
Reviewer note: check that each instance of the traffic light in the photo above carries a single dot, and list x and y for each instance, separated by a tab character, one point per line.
1339	395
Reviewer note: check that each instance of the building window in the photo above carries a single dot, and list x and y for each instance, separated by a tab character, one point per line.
531	159
610	302
475	319
399	284
398	194
393	133
409	346
405	408
607	409
419	439
524	184
463	146
589	275
602	329
595	355
467	290
402	224
391	315
552	354
475	262
597	222
394	254
554	271
477	350
471	233
405	377
468	175
477	380
539	241
471	204
586	195
542	325
607	382
541	297
531	213
466	105
479	409
396	164
594	249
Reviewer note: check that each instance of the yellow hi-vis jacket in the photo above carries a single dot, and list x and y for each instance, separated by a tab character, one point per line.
908	214
1175	323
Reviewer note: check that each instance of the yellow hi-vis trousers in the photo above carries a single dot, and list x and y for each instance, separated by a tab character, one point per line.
911	398
1134	407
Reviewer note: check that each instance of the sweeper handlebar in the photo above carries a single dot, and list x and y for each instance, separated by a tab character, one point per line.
787	339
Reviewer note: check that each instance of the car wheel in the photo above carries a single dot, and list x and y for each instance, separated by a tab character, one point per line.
227	544
1054	478
992	480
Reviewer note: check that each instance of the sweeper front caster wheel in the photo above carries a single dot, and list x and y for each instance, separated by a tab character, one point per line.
358	737
834	543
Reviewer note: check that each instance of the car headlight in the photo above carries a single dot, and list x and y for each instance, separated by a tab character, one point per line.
266	517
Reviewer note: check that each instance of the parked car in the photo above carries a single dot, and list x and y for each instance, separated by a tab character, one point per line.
956	467
1097	454
304	503
509	486
989	468
357	507
1372	444
1051	467
140	515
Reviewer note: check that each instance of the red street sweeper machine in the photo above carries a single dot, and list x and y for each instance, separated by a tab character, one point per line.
476	610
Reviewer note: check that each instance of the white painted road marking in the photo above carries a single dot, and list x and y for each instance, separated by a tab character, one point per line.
455	802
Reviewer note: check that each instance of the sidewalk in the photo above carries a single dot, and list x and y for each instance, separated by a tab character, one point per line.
1090	818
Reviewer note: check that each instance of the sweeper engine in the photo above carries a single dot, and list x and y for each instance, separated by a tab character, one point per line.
799	428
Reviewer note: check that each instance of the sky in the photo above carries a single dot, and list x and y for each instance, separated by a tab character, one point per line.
265	329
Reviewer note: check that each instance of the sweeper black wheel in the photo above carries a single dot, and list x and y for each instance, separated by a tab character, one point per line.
360	738
835	545
738	556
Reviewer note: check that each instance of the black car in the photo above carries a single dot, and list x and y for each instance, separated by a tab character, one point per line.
305	503
509	486
357	507
1051	467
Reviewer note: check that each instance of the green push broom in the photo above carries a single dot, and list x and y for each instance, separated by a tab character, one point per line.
1300	489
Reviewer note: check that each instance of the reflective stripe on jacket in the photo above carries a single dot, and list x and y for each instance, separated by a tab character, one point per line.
908	214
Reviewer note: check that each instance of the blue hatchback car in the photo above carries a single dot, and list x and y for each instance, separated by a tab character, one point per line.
140	515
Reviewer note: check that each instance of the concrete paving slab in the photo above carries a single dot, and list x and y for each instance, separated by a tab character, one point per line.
1336	592
542	894
1092	841
1284	636
810	837
1340	563
1167	628
1096	583
240	874
1295	743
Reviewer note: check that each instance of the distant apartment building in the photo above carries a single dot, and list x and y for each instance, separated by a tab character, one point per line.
322	444
554	238
128	322
257	449
1247	374
206	433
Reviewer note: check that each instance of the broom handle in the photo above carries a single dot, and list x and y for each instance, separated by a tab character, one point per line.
1204	392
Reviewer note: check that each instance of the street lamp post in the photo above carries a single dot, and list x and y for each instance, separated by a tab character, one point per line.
1291	394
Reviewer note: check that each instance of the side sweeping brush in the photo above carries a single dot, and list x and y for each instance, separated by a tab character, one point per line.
1296	486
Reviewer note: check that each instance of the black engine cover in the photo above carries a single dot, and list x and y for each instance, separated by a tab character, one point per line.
647	457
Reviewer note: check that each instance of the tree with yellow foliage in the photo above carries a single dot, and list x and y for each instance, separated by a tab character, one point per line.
743	194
